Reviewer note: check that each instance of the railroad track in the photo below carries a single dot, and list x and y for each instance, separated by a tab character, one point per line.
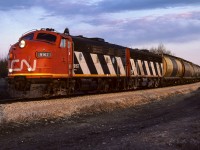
10	101
16	100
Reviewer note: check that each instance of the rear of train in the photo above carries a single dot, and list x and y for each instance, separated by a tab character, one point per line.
179	71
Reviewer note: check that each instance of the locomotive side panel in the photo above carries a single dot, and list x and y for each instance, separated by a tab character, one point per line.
145	64
92	59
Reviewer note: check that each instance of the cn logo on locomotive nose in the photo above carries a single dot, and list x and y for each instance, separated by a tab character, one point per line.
22	63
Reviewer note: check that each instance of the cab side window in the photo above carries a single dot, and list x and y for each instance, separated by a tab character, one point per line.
63	43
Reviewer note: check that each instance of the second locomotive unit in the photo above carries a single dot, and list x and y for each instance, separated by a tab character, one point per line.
47	63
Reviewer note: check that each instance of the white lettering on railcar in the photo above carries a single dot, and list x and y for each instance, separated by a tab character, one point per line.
22	63
76	66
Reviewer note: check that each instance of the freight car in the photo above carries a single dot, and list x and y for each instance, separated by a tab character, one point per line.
179	71
47	63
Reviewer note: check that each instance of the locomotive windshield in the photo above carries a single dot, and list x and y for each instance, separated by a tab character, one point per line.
28	37
46	37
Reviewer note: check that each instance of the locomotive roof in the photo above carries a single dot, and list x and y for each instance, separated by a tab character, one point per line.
145	55
98	45
96	41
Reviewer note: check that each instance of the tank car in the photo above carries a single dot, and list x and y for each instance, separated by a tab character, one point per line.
173	70
178	71
196	76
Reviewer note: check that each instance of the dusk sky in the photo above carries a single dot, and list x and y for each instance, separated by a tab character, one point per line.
131	23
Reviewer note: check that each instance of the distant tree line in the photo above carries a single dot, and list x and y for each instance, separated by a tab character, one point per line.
3	67
161	49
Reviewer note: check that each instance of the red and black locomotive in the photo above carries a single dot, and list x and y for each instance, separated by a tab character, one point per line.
47	63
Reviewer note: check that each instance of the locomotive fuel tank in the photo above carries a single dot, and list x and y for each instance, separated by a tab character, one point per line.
172	67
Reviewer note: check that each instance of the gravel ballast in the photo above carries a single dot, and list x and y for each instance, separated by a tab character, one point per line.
67	107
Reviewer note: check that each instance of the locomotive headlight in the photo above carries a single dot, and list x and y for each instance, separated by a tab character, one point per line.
29	69
10	70
22	44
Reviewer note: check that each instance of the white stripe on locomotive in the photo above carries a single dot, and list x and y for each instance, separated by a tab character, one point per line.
110	64
158	68
147	68
81	60
120	65
97	64
153	68
134	69
141	67
161	64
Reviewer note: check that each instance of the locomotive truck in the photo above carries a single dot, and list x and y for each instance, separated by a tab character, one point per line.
45	63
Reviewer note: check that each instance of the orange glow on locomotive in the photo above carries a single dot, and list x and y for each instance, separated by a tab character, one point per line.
40	54
36	59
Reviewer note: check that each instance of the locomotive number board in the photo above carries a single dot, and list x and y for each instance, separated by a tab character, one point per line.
43	54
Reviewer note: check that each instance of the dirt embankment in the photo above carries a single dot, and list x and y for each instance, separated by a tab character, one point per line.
147	122
66	107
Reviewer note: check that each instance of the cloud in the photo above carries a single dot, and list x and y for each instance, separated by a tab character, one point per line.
124	5
13	4
168	28
16	22
91	7
128	22
180	27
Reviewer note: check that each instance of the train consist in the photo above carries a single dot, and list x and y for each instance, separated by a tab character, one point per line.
47	63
